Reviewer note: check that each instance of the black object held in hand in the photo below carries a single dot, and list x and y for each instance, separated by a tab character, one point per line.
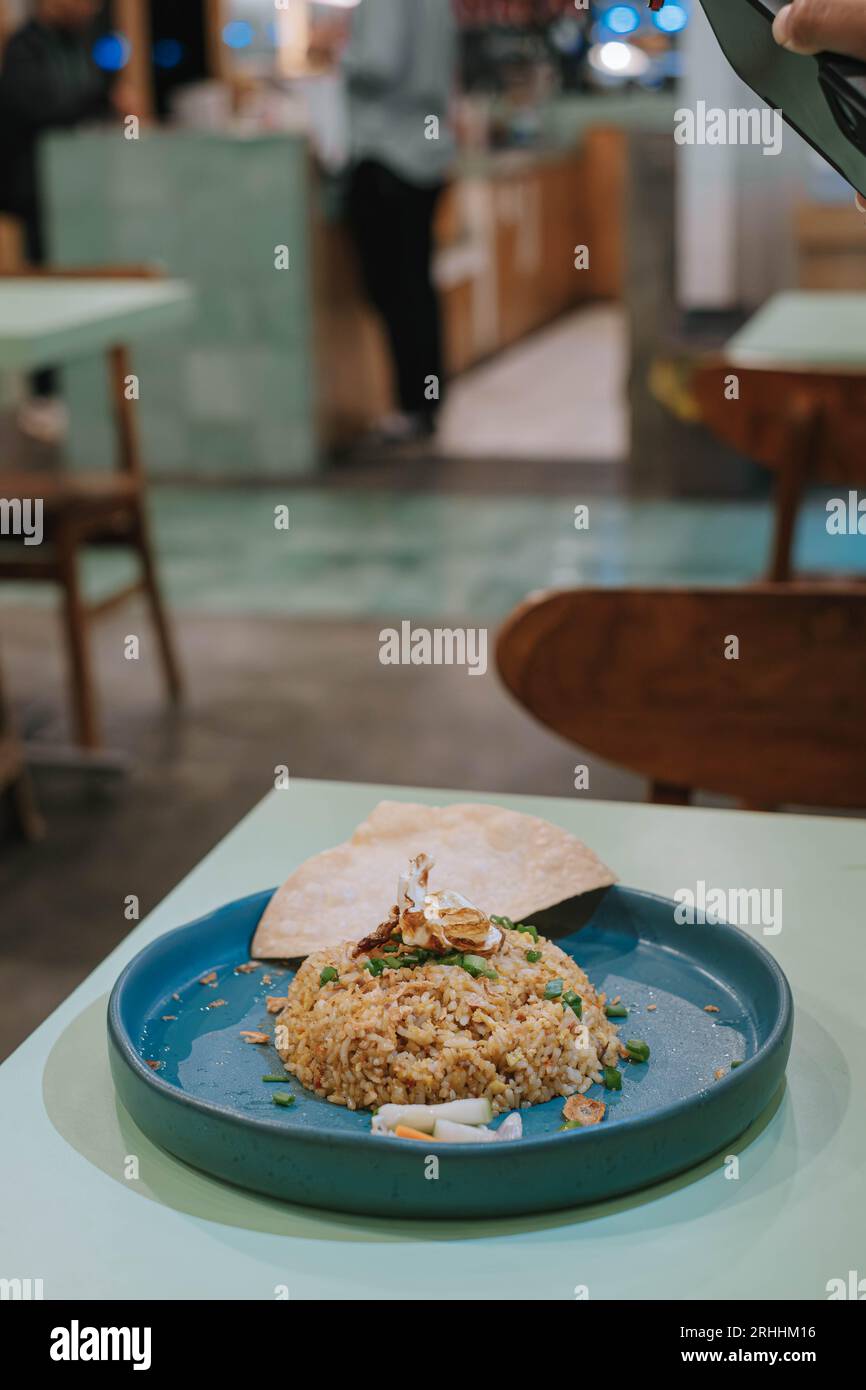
822	97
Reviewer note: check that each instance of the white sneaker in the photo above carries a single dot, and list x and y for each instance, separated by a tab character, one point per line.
44	418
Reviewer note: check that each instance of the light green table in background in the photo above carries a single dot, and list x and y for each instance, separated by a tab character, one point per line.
44	322
814	330
795	1217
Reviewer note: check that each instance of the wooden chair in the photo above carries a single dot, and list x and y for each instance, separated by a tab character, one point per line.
83	509
640	677
14	778
805	426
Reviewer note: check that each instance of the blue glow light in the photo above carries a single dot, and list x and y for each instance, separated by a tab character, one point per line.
111	52
671	19
238	34
622	19
168	53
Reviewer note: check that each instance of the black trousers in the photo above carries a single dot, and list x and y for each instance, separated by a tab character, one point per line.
391	222
44	382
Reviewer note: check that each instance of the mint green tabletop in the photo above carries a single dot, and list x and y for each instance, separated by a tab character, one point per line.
43	322
805	330
88	1205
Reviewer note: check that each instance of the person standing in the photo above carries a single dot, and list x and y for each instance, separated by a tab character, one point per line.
399	69
48	81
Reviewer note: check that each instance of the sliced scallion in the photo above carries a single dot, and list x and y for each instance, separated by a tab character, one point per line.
616	1010
574	1002
327	975
283	1098
528	928
553	989
637	1050
477	965
612	1079
533	956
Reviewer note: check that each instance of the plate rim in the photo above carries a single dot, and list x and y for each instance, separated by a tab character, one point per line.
271	1126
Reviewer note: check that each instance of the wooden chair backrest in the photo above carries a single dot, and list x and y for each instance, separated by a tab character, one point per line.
641	678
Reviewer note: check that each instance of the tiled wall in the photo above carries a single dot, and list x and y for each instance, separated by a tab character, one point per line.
231	395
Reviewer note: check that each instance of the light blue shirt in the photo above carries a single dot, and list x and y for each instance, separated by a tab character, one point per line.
400	71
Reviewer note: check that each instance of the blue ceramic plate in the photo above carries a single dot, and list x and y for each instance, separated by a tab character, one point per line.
207	1103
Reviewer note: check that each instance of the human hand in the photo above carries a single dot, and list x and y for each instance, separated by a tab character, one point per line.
813	26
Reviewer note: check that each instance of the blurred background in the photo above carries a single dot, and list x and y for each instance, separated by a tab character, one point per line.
570	385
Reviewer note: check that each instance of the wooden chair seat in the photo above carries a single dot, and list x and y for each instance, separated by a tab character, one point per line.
640	677
58	491
96	508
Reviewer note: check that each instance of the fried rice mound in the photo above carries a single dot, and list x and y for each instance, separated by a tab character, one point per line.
434	1033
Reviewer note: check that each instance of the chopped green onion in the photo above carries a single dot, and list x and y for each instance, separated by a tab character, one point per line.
574	1002
327	975
533	956
616	1010
390	947
419	956
638	1051
553	989
274	1078
503	922
570	1124
738	1062
528	928
453	958
477	965
283	1098
375	965
612	1079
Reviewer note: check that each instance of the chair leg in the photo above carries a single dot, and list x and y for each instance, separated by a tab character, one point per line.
75	619
165	640
30	823
790	485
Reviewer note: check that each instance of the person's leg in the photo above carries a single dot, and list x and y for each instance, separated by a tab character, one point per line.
372	226
45	382
391	223
418	331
